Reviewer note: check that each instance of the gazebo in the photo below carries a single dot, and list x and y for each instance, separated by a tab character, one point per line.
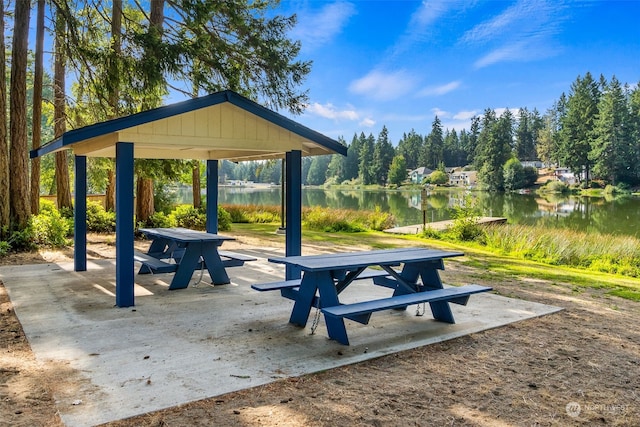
220	126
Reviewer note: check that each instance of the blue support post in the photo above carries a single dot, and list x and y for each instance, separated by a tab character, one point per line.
293	211
212	196
124	224
80	215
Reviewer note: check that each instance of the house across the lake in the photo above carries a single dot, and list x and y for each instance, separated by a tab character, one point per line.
462	178
417	175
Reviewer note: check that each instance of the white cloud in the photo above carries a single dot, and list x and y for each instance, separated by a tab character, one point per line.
329	111
384	86
440	90
465	115
317	28
440	113
367	122
531	27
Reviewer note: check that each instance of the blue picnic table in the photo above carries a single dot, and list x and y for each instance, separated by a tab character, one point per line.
182	251
326	276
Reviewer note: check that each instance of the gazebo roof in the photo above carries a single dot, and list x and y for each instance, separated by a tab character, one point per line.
223	125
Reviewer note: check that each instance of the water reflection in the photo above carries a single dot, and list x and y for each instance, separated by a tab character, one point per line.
617	215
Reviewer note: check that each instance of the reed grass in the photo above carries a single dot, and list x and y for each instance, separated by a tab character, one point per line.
594	251
316	218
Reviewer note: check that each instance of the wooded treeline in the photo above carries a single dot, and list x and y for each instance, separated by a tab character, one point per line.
594	130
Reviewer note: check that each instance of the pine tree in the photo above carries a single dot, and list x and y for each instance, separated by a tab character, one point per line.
612	150
576	134
352	162
410	147
365	166
383	154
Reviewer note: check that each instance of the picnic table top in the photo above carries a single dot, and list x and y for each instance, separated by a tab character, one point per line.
183	235
347	260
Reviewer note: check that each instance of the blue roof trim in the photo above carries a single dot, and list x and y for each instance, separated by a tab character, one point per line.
115	125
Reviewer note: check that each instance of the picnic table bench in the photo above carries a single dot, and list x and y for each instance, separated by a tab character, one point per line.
182	251
326	276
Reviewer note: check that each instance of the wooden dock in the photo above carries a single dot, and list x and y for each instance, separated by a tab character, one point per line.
440	225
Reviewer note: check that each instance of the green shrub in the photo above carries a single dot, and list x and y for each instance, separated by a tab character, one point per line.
466	225
5	248
224	219
50	229
22	240
554	187
99	220
160	220
189	217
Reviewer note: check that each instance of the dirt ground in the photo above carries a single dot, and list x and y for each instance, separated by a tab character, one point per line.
580	366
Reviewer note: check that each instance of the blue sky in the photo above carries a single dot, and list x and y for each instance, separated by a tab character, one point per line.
400	63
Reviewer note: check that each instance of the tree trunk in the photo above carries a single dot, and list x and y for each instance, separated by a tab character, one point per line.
63	190
110	193
116	47
197	198
144	199
36	127
4	148
18	161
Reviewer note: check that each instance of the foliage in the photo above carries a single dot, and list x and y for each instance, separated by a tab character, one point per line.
50	228
333	220
438	178
465	225
253	213
398	170
224	219
22	240
99	220
513	175
554	187
189	217
161	220
594	251
5	248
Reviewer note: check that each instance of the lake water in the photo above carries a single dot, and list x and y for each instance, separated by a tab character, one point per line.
616	216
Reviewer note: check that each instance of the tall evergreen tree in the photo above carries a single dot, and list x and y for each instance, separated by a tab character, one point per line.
434	145
494	147
352	162
383	154
337	165
472	142
18	161
317	174
4	148
410	147
576	134
634	124
365	168
525	138
612	149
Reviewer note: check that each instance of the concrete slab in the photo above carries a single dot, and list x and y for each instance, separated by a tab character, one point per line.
174	347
